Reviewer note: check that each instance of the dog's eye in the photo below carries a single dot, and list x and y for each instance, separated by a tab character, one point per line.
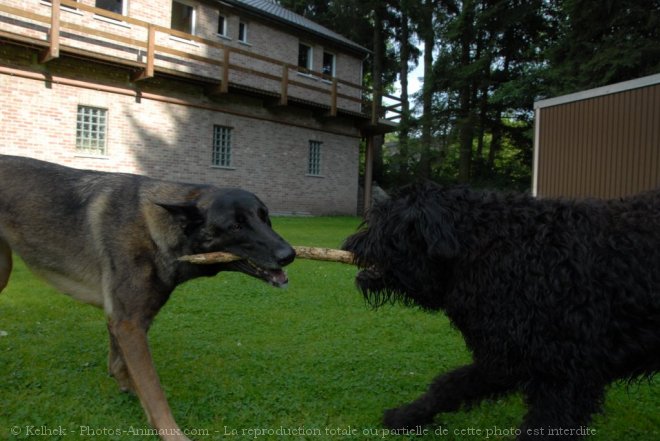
235	227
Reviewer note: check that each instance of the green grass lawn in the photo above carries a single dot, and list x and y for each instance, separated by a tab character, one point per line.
236	356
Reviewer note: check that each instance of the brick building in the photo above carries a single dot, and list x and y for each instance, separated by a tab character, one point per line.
233	93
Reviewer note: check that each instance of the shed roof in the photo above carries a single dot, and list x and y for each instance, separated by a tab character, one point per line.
599	91
274	11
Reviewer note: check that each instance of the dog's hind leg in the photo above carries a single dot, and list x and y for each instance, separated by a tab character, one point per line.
131	338
5	264
561	410
117	367
447	393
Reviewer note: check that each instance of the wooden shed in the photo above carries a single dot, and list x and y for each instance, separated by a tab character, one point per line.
603	142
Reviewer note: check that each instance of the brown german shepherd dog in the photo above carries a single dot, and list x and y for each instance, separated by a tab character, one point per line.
113	240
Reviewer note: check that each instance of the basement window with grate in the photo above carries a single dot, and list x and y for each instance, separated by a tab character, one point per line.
314	160
91	130
221	154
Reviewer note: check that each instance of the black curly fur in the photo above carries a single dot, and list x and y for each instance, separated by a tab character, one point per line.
556	298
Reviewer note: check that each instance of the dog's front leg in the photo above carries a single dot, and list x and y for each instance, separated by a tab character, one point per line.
448	392
5	264
131	339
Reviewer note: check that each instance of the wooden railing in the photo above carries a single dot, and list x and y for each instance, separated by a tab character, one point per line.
330	92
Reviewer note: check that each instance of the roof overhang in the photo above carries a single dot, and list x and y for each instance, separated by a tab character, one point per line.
637	83
283	16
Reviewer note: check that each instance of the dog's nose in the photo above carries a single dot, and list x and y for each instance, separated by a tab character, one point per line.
285	255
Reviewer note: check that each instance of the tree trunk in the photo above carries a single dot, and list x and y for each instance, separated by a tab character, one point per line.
404	126
427	90
483	121
466	130
496	140
377	72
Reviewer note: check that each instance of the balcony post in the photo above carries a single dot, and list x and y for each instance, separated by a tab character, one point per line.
53	50
148	71
333	98
224	87
284	89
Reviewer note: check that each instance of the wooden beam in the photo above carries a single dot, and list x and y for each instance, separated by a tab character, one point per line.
224	86
151	51
393	108
333	98
284	89
148	71
53	50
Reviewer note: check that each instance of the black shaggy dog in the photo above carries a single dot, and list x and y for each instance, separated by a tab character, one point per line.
555	298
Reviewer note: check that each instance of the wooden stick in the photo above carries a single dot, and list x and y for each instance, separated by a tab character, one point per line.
328	254
209	258
314	253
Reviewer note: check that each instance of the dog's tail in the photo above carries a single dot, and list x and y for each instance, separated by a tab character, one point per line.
5	264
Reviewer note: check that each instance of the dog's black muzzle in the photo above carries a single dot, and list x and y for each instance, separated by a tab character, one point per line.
267	266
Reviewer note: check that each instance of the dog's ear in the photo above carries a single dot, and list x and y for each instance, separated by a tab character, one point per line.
187	214
437	227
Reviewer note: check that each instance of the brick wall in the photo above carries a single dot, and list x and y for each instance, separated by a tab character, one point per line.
173	141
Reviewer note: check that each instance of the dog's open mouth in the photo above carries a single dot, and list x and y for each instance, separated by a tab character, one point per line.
370	273
274	276
371	279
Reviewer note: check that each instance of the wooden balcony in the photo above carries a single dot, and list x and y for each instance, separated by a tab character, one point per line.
147	49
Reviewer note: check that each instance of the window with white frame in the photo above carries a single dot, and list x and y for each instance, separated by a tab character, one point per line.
91	130
116	6
222	25
68	8
328	64
183	17
314	160
305	56
221	155
242	32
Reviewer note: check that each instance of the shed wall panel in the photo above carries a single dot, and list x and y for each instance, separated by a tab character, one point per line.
607	146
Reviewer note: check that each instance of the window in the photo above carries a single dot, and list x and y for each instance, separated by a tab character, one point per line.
183	17
221	156
67	8
222	26
314	162
116	6
242	32
91	128
304	56
328	64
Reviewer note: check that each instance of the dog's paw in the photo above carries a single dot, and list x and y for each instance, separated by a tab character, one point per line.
124	382
406	417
